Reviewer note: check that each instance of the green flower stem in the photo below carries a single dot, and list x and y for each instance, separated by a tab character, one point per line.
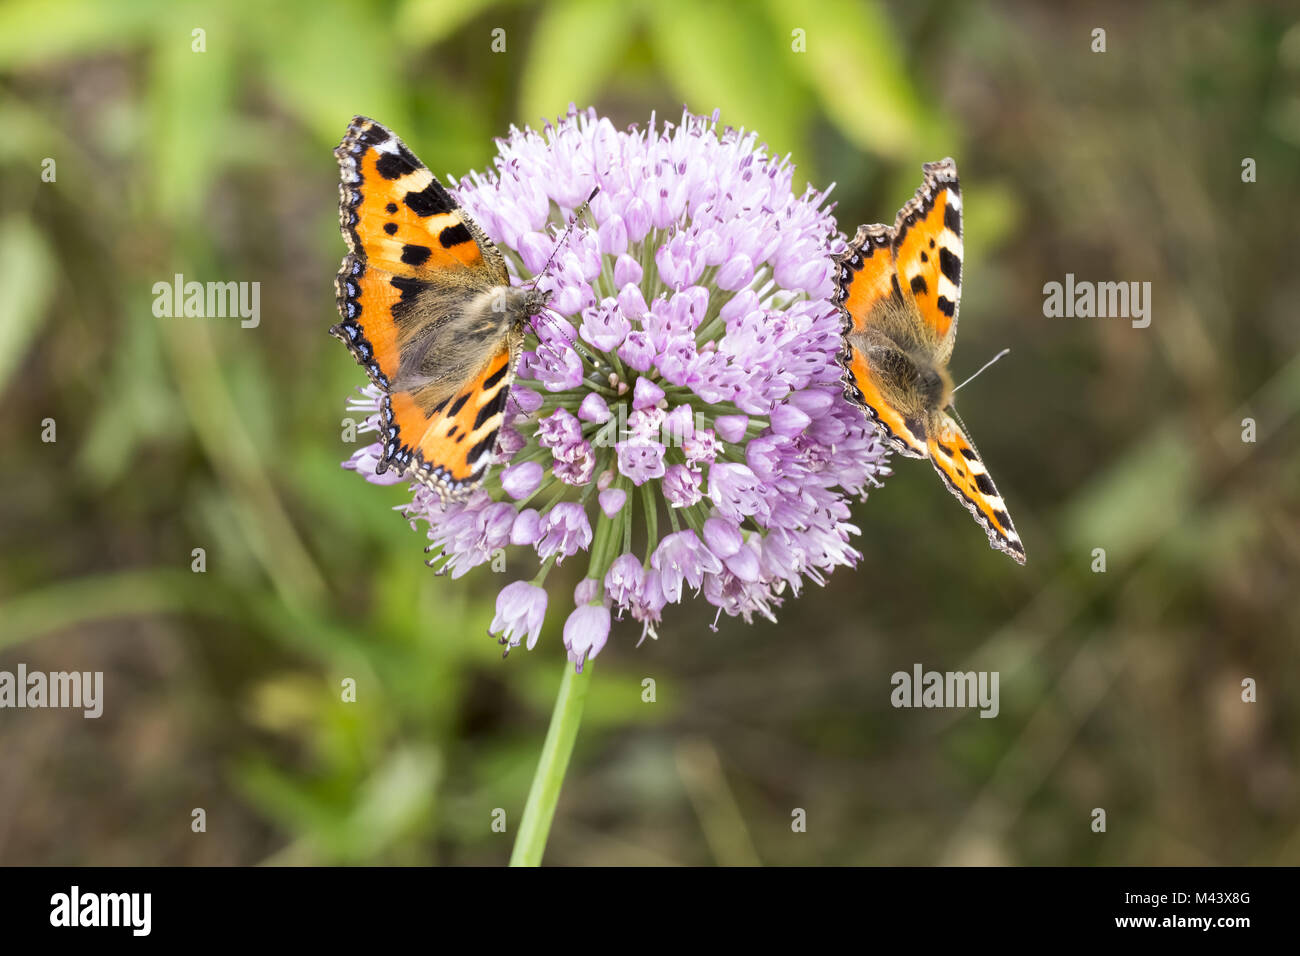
629	513
544	794
651	522
544	570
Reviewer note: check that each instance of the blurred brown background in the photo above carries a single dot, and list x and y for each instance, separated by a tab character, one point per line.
1119	690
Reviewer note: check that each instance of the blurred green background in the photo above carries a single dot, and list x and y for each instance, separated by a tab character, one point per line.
1118	690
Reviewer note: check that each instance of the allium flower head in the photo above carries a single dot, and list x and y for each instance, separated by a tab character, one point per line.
678	421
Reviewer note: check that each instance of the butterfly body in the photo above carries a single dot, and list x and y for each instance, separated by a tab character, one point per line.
904	364
428	311
898	289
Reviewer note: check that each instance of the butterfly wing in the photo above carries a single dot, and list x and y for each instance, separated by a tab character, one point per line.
409	242
927	253
868	289
962	470
458	435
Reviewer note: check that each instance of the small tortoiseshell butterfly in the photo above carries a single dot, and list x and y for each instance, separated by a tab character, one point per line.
898	289
428	311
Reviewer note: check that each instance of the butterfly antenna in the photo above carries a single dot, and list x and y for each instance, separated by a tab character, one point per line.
986	365
953	408
573	221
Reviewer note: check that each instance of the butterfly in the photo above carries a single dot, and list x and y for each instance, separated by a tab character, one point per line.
428	311
898	289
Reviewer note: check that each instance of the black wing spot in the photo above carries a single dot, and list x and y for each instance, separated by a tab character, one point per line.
931	243
943	448
951	219
492	408
898	293
918	285
390	228
985	484
946	307
925	257
409	288
457	405
969	455
393	166
430	200
486	445
454	235
391	207
1002	518
374	136
496	376
950	266
416	255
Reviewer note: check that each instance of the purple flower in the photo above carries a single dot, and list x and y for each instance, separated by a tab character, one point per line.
731	427
585	632
683	557
623	580
637	351
641	459
679	424
646	394
520	481
576	465
688	352
593	409
604	326
526	399
681	486
723	537
527	529
611	501
521	607
735	490
565	531
700	448
559	431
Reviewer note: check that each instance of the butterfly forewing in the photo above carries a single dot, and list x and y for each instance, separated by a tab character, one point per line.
962	470
899	289
415	264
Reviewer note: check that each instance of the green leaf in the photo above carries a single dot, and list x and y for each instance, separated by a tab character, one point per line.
852	61
335	66
191	95
1137	500
576	45
37	32
27	273
425	22
718	58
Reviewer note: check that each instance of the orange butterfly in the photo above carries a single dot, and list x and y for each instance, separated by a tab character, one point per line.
898	290
428	311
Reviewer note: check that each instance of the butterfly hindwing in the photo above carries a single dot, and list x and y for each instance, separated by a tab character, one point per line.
927	247
899	289
962	470
905	433
458	433
867	288
416	263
